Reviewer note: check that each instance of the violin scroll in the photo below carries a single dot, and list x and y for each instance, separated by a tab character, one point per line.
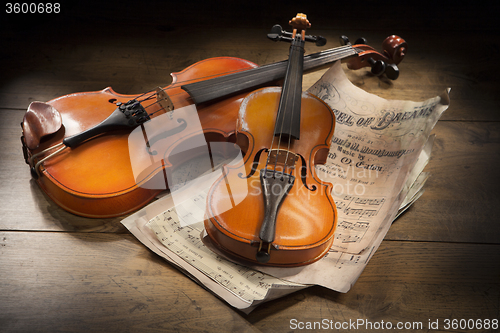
394	50
300	22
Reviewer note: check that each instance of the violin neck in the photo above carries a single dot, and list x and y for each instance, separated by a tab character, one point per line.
207	90
288	120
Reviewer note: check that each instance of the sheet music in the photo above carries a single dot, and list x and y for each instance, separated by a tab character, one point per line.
376	158
158	227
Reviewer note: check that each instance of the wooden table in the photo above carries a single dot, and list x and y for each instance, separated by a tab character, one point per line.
439	261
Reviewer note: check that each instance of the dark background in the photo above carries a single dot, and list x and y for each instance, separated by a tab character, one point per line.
28	38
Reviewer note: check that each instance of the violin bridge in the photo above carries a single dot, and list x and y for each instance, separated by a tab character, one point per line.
164	100
283	157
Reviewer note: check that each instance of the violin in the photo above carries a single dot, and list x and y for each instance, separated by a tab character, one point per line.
282	214
76	145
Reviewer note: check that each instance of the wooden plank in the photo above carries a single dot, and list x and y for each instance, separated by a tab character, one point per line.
73	282
99	282
408	282
459	197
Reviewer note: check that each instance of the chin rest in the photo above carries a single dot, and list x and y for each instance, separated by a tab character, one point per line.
41	119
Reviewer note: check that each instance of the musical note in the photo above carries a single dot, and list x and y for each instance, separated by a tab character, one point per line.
351	232
361	207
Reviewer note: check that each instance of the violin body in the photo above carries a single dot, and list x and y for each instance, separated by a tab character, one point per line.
307	218
95	179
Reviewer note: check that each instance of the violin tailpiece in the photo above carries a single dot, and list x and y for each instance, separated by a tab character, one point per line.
127	115
275	187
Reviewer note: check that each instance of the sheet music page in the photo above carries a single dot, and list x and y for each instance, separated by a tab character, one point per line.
375	146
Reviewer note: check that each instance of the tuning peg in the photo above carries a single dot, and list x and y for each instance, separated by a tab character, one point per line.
392	71
378	67
274	37
344	40
278	34
320	40
361	40
277	29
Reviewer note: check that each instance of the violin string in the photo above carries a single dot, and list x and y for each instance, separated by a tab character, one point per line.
147	92
273	137
297	75
339	52
283	108
160	109
158	101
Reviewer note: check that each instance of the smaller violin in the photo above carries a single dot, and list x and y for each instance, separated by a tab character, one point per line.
272	208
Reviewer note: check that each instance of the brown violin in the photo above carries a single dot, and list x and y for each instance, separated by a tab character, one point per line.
76	145
282	214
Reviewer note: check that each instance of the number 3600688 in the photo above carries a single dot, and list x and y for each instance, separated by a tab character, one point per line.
32	8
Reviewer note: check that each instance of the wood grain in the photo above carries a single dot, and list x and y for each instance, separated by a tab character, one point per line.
90	281
464	186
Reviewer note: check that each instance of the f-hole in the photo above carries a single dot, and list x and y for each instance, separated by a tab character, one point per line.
303	175
164	135
255	164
